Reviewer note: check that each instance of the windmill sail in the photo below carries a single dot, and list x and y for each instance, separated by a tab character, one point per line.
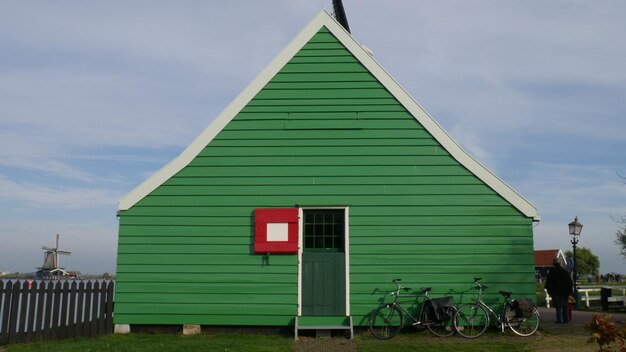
340	14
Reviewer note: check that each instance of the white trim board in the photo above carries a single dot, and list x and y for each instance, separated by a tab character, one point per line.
323	19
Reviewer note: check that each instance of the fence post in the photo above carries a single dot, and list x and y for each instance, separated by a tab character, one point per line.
65	295
109	308
78	328
5	290
47	328
87	310
32	305
71	320
101	308
41	290
94	309
56	310
15	294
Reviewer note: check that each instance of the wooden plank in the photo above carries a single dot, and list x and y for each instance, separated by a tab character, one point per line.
322	170
14	312
335	190
56	311
41	300
71	323
222	320
203	298
344	151
80	318
246	181
109	307
6	290
253	278
64	308
22	314
201	287
242	309
330	160
357	141
101	308
94	309
323	53
47	329
193	259
32	307
326	108
87	321
324	93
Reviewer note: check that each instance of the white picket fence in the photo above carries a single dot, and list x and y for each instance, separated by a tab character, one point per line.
586	297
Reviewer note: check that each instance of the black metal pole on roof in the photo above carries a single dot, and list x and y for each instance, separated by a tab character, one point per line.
340	14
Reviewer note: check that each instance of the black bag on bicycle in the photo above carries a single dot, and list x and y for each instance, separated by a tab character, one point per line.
524	307
439	309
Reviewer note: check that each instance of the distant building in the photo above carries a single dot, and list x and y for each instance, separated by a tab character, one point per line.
544	259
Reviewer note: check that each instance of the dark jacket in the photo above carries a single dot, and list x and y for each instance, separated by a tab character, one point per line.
558	282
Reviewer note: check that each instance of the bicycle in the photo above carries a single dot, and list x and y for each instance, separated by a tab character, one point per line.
471	320
388	319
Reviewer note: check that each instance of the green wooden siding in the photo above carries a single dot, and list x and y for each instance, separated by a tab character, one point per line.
322	132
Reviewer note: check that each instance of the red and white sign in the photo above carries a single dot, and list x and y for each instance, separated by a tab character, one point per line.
276	230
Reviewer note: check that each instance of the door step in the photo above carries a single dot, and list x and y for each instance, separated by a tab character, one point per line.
324	323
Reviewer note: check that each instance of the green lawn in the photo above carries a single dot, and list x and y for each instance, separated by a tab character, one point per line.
163	342
493	341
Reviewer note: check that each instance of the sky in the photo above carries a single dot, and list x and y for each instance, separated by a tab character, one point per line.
97	96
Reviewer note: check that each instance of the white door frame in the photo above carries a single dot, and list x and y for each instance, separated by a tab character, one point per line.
346	252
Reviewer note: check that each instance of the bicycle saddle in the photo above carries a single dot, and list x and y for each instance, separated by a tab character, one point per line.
506	294
427	289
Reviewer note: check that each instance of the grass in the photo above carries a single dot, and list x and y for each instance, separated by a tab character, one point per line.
162	342
492	341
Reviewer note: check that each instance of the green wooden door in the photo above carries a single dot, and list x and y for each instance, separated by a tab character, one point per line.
323	263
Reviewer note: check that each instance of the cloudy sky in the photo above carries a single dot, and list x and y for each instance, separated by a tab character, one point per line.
96	96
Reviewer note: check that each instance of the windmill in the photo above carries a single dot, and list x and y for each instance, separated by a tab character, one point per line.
51	265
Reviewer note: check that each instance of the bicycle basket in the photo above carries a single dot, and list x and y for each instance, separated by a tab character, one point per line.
439	309
524	307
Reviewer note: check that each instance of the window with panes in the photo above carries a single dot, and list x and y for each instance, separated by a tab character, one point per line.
324	230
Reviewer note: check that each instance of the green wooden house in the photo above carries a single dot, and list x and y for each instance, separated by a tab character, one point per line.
379	191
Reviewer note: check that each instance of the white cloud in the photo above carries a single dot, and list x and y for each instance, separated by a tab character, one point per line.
38	194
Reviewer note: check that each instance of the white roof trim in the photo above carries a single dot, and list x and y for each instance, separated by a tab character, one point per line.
361	53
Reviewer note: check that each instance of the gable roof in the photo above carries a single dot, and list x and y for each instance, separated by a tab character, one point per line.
323	19
545	257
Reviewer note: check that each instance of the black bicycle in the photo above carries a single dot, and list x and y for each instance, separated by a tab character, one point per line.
435	314
472	319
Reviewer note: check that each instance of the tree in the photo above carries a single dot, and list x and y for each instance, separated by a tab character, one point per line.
620	239
586	262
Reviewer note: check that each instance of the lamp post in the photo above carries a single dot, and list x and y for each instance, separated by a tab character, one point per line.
574	229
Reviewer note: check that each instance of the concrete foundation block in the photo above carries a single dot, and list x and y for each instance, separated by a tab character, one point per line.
191	329
121	329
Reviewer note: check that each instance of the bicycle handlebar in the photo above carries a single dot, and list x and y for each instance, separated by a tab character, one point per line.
478	284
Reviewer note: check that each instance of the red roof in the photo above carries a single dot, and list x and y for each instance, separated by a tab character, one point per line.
545	257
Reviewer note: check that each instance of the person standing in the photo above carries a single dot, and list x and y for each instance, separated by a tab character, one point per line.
559	287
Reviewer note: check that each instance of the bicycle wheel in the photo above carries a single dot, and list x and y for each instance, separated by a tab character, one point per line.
522	326
386	322
443	328
471	320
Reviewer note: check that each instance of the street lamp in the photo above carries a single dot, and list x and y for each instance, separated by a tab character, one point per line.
574	229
